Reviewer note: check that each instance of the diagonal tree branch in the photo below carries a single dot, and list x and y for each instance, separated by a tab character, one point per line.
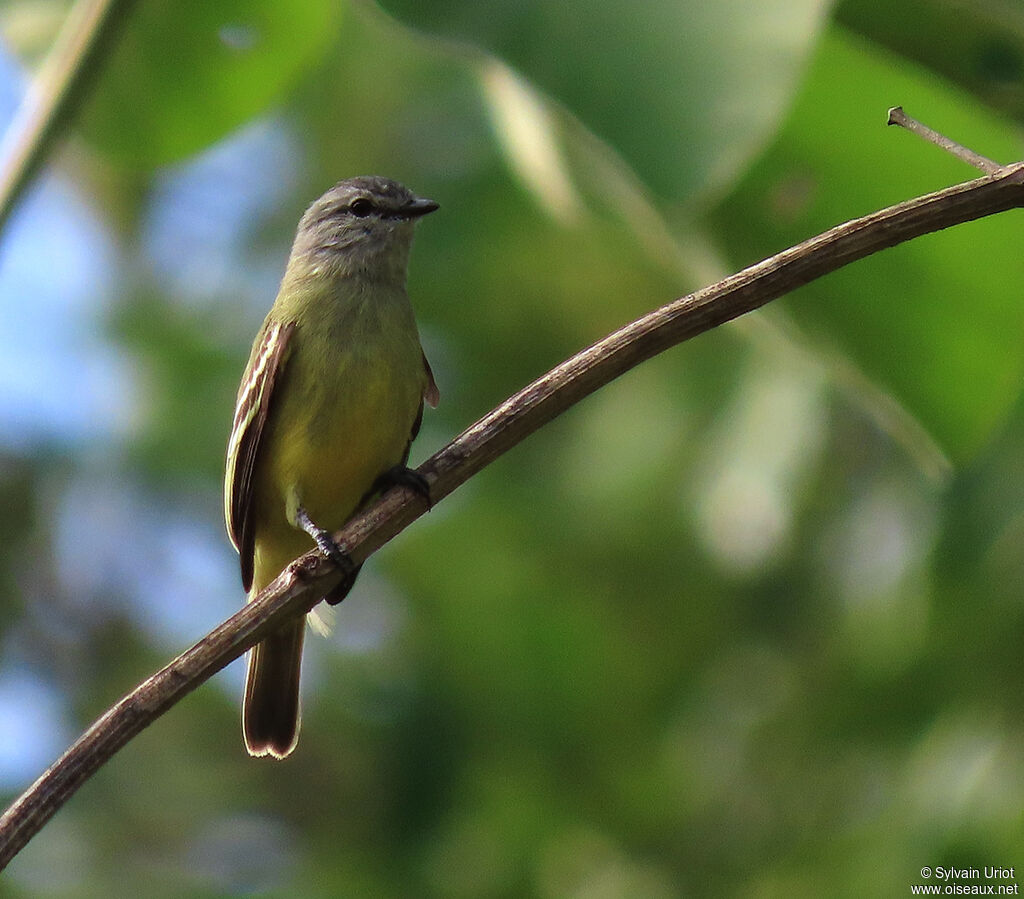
302	584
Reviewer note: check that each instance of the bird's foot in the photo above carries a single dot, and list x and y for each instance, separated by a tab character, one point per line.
401	476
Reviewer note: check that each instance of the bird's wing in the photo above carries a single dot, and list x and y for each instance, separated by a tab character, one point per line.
266	362
430	393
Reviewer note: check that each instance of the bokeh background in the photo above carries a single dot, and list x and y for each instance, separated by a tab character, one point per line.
746	622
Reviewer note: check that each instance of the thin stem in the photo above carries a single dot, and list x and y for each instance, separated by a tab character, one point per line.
898	117
312	576
52	99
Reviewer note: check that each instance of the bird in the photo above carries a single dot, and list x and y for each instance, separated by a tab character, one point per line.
329	403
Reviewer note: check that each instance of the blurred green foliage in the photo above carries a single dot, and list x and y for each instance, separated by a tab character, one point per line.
979	45
747	621
204	69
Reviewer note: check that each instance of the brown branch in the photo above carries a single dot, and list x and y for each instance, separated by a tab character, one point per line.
302	584
52	99
898	117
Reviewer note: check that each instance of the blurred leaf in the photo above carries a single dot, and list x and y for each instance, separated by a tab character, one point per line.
979	45
685	91
950	346
186	73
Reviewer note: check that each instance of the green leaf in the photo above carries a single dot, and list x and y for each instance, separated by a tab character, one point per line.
978	45
186	73
685	91
938	321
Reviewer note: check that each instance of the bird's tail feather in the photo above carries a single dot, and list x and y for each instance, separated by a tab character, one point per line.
270	710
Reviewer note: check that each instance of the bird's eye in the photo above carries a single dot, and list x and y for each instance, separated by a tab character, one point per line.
360	207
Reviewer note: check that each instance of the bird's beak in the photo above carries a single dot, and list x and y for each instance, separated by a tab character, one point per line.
418	207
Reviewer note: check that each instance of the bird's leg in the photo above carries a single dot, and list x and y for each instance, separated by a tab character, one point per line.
325	543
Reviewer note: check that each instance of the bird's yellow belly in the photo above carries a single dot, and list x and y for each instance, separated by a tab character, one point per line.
328	459
347	457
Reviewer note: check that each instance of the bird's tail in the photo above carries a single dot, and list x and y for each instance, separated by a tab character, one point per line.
270	710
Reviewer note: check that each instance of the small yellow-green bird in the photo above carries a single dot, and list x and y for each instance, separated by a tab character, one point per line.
330	400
